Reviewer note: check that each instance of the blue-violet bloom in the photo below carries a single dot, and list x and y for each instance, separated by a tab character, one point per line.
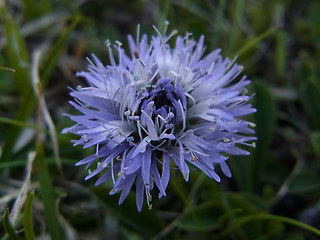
157	108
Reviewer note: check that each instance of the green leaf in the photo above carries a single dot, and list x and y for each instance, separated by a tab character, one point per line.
147	222
242	171
294	236
241	204
180	188
27	218
315	140
310	98
9	228
247	202
202	217
247	170
304	182
265	120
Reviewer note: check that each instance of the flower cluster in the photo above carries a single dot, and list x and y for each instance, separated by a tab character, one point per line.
160	107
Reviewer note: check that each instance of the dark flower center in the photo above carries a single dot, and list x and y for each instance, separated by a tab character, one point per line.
163	102
164	97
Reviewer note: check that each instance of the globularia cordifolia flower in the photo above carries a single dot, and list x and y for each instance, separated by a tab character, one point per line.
160	107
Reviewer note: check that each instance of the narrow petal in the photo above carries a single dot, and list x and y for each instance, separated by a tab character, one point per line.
86	160
145	168
105	177
136	163
157	179
139	194
126	187
183	165
225	169
141	148
151	127
165	176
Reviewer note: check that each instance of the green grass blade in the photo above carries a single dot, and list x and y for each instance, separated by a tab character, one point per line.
218	23
281	53
202	217
310	98
6	69
30	9
315	141
265	120
29	102
16	123
47	194
261	216
235	28
56	50
247	169
255	41
27	218
8	227
17	53
24	112
35	9
18	59
21	163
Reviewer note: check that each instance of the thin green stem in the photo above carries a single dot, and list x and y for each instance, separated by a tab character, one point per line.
261	216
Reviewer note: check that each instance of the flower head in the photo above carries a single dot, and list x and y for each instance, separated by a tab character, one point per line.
158	107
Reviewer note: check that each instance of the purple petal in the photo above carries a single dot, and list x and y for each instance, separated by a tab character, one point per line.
139	194
135	164
145	168
141	148
157	180
183	165
225	169
151	127
165	176
126	187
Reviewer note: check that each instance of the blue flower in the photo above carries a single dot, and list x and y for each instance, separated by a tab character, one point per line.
157	108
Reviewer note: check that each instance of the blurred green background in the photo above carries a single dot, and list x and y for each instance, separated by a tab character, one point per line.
273	194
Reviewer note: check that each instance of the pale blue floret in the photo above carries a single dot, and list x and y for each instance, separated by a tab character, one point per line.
158	107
